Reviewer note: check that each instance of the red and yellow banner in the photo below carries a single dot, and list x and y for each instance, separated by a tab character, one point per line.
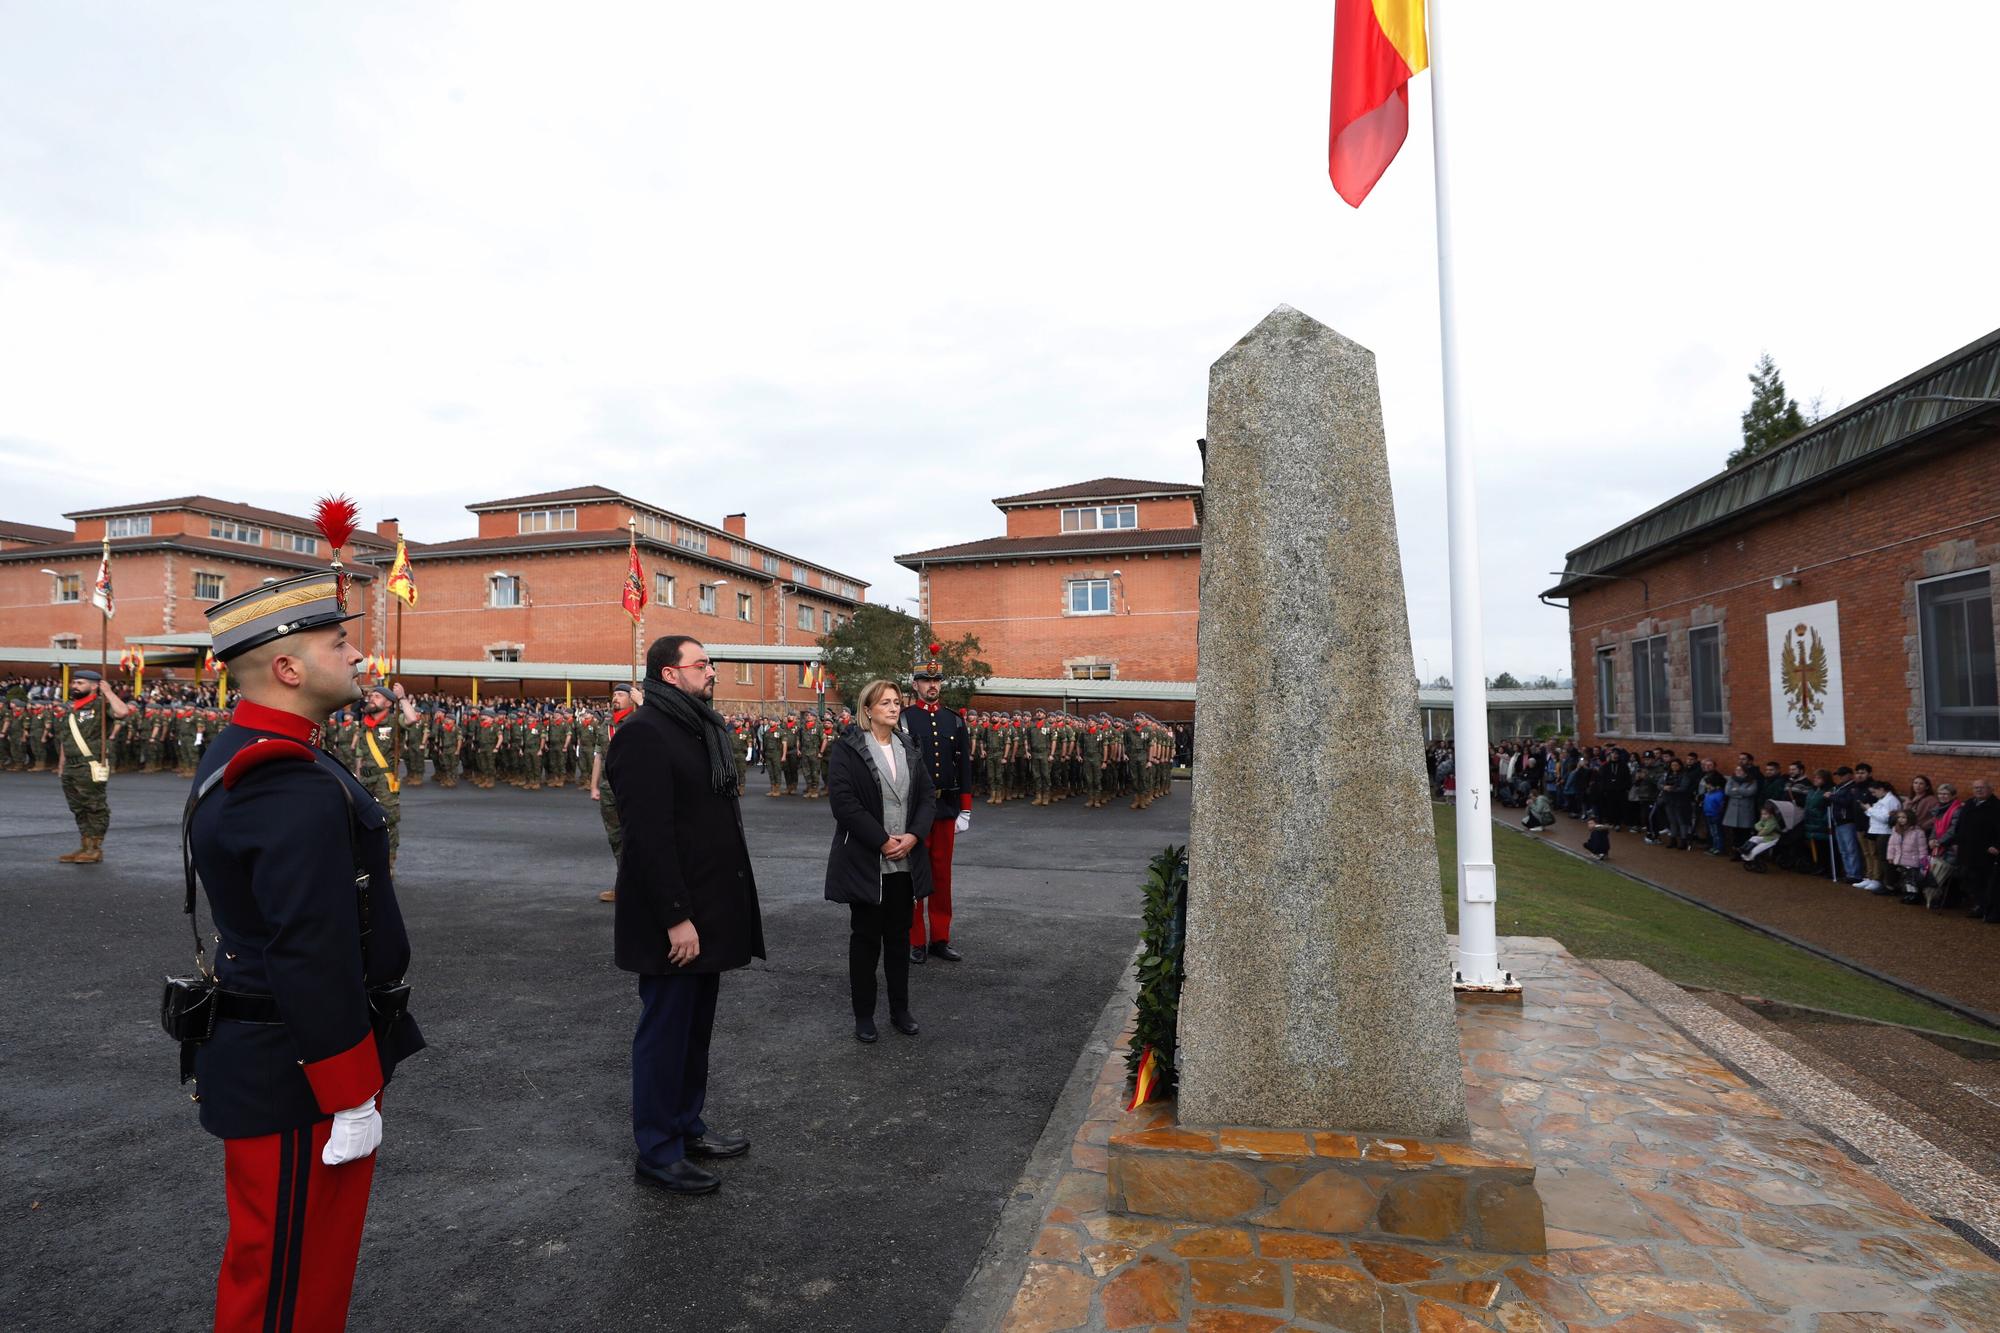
633	598
1378	47
401	583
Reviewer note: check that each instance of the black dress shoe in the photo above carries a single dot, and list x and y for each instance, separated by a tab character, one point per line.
713	1144
681	1177
942	949
903	1023
864	1030
917	955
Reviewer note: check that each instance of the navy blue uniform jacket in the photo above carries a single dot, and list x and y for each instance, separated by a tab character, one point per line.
946	745
271	844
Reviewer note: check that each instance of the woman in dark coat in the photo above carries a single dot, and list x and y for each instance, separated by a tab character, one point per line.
882	809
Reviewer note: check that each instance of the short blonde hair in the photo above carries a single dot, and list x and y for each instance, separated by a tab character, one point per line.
873	691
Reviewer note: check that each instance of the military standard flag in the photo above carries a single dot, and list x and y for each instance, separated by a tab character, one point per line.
1378	47
401	583
634	597
100	592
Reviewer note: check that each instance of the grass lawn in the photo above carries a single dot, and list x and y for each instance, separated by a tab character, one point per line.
1599	914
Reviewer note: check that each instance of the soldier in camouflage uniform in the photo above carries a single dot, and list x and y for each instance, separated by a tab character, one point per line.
416	748
487	737
742	740
789	743
388	709
808	739
1040	745
447	748
1090	751
83	735
771	739
589	745
561	735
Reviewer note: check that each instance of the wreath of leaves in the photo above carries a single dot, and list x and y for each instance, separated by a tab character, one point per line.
1162	932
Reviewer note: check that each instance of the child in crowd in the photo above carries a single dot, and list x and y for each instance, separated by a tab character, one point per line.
1712	802
1598	844
1764	836
1541	813
1908	852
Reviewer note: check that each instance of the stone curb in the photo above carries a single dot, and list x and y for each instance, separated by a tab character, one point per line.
989	1292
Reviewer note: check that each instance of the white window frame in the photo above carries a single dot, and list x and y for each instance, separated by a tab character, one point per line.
690	539
547	520
65	641
746	674
1088	587
220	586
771	563
1093	671
1697	637
805	617
666	589
71	584
746	607
508	653
708	598
1926	657
235	530
825	622
512	582
1652	686
297	542
140	525
1607	689
1100	518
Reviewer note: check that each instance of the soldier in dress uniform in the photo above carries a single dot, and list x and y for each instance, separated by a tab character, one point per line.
623	700
84	768
312	1015
946	747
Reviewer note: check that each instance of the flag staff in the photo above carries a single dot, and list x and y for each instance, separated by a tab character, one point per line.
1478	942
102	597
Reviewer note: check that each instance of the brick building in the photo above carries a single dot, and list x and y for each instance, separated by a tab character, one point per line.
540	582
1098	581
1829	601
169	559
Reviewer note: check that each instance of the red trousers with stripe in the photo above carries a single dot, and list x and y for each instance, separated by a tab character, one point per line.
294	1234
944	836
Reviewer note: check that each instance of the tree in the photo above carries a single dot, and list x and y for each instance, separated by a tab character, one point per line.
1773	415
885	644
1504	681
1544	682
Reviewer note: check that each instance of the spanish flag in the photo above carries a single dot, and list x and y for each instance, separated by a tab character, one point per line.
401	584
1378	47
1145	1080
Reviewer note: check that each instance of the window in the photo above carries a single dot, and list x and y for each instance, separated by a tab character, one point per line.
746	606
1649	686
740	554
770	564
1100	517
805	617
229	530
1094	671
690	539
548	520
1090	597
1955	625
708	599
141	526
504	590
68	588
66	641
508	654
207	587
295	541
799	575
826	622
663	590
1705	676
746	674
654	526
1607	689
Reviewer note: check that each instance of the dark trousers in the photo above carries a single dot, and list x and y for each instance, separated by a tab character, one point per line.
881	929
670	1063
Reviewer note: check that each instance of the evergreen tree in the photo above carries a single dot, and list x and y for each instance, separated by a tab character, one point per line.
1773	415
1504	681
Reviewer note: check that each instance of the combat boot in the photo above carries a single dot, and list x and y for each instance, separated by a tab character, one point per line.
773	791
82	849
92	853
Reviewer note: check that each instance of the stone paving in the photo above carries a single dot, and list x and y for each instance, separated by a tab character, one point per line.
1678	1194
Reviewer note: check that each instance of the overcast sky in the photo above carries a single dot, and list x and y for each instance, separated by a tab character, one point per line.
859	269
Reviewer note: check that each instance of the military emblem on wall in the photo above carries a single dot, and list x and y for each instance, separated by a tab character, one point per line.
1806	701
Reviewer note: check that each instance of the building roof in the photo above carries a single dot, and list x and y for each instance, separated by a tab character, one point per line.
1946	404
29	532
1066	543
204	504
1104	488
573	495
533	543
176	541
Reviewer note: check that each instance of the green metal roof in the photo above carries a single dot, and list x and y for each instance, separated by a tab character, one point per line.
1937	407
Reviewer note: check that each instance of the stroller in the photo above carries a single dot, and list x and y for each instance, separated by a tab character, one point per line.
1790	817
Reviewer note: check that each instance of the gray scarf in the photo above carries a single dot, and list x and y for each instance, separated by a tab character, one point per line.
701	721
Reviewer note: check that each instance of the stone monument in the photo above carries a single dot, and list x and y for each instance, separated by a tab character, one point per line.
1316	989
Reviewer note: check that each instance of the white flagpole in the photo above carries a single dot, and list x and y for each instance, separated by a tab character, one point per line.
1478	944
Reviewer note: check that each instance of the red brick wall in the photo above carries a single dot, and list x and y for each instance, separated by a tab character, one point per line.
1866	548
1019	612
1046	520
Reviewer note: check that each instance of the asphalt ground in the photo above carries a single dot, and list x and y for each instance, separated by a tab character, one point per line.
504	1198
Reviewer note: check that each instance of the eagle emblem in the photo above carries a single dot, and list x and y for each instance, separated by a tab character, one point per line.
1802	672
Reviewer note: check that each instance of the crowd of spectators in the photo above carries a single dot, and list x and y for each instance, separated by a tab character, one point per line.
1927	844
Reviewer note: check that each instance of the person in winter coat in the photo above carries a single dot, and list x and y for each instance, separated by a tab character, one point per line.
1677	796
1908	849
1975	834
1541	813
1739	813
878	865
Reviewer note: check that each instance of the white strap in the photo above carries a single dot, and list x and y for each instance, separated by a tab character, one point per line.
76	733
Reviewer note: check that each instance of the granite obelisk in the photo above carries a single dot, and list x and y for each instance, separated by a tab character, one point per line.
1317	991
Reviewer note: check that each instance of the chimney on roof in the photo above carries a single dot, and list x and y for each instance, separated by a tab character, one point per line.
389	530
733	524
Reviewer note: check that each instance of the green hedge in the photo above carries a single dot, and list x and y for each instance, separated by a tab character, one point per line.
1162	932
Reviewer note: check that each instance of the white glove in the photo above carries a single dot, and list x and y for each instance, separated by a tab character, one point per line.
357	1132
964	821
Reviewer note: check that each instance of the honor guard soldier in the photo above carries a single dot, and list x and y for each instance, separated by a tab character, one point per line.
85	766
946	746
311	1014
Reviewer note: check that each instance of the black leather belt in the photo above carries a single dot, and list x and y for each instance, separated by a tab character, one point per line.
243	1008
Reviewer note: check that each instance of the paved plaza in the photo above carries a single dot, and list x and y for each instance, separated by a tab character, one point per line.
505	1196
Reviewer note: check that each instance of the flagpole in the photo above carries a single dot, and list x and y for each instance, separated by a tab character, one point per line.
632	553
104	666
1478	943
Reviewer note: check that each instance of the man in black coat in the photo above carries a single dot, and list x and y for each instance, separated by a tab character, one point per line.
687	905
1976	835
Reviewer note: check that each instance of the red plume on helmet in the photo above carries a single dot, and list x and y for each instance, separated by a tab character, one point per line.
336	517
936	648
